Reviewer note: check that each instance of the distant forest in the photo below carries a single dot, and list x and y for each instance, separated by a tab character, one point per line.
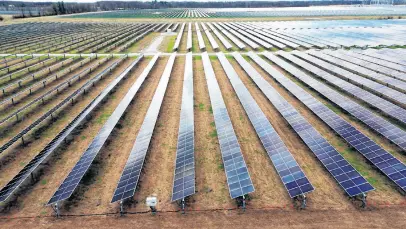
20	9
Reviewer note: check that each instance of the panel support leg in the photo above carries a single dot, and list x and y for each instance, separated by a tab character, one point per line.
56	210
363	198
121	208
183	205
243	204
153	210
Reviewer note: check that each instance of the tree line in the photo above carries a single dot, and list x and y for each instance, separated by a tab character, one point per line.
37	9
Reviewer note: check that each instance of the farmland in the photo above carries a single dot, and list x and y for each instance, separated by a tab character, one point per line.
227	123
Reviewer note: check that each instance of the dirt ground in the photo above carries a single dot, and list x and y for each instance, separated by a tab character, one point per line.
211	206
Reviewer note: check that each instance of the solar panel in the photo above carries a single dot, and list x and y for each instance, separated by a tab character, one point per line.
200	40
377	88
73	179
189	37
184	178
238	178
343	172
380	125
292	176
384	161
131	173
179	37
17	180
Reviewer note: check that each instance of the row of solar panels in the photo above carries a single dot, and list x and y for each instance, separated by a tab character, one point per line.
238	178
256	35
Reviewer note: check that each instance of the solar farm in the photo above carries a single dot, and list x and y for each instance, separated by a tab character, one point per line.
203	121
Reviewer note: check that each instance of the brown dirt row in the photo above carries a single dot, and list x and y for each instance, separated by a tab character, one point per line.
341	219
211	182
141	44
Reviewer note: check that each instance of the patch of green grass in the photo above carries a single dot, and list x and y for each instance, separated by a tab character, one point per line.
287	49
212	124
103	118
221	166
213	57
197	57
201	107
171	43
44	212
213	134
83	137
22	163
211	110
333	108
44	182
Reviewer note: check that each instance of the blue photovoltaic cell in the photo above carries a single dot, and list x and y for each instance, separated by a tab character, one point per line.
292	176
238	178
380	125
348	178
131	173
184	178
394	169
70	183
17	180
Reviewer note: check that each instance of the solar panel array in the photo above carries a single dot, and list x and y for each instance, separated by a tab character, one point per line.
377	88
380	125
343	61
398	67
131	173
184	179
74	177
349	179
375	69
232	38
223	40
394	169
238	178
212	41
292	176
58	106
17	180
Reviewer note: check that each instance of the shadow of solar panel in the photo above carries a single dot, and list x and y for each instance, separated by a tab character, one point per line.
129	178
348	178
184	174
73	179
380	125
394	169
292	176
238	178
11	186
